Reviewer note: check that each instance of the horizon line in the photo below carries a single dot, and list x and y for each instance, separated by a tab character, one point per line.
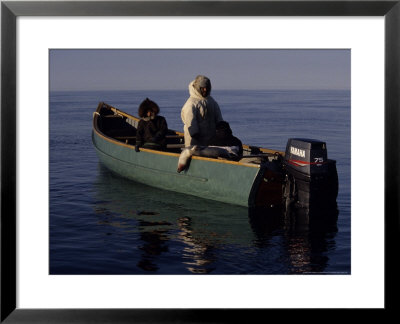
230	89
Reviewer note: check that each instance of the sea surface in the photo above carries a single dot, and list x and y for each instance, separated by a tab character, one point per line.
101	223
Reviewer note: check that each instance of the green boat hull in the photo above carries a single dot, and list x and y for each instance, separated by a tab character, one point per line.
261	178
219	180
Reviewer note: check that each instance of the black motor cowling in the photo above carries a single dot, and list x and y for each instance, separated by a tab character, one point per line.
311	178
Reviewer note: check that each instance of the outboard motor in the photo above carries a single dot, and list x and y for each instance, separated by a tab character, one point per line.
310	177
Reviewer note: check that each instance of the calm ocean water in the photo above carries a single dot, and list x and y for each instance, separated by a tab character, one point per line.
103	224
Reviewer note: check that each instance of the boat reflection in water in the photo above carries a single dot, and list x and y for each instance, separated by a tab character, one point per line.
307	235
172	233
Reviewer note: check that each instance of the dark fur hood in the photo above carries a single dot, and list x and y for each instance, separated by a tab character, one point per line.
147	105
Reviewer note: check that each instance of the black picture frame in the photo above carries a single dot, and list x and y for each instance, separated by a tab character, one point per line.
10	10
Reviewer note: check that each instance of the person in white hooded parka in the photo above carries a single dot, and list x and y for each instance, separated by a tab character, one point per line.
200	114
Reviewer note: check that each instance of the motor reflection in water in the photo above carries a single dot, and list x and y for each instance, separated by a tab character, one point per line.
178	234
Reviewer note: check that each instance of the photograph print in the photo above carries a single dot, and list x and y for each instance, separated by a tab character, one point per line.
200	161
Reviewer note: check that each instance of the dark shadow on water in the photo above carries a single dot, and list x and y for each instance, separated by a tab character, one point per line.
182	234
307	235
154	244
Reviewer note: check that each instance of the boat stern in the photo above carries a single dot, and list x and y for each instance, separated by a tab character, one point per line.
267	188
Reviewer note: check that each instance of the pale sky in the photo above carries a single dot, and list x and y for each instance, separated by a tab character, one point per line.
256	69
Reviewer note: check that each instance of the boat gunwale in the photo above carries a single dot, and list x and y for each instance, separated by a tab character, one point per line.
130	146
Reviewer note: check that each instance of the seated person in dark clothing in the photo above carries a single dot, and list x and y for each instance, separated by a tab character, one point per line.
222	145
152	128
223	138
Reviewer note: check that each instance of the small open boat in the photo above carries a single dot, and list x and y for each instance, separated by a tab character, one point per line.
261	178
